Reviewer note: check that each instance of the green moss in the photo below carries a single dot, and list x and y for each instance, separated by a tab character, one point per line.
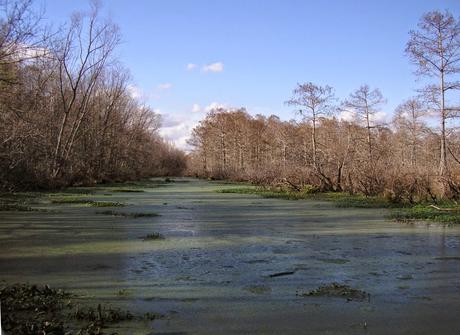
106	204
128	215
19	202
346	200
69	200
153	236
82	201
424	212
15	208
268	193
400	212
340	199
127	190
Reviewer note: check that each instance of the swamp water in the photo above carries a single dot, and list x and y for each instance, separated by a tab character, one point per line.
239	264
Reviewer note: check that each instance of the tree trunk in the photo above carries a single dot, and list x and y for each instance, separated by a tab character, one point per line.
443	169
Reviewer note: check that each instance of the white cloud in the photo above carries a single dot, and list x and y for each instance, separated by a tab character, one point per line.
165	86
214	105
134	91
347	115
196	108
378	117
350	115
191	66
139	94
168	120
213	67
177	130
26	52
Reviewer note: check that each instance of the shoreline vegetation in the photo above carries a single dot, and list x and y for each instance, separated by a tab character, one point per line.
34	201
447	212
33	309
69	116
344	143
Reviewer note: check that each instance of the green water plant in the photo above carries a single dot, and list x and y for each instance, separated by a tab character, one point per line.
128	214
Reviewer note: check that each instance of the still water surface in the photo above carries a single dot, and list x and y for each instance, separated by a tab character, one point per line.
211	274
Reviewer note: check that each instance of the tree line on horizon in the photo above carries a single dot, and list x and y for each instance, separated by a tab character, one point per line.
66	113
406	160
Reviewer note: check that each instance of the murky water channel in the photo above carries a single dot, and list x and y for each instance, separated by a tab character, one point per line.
212	272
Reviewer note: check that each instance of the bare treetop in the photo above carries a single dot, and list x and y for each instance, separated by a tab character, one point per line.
364	103
435	46
314	100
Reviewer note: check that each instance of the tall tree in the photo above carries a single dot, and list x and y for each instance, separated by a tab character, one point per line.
364	103
435	49
409	120
82	56
22	37
315	102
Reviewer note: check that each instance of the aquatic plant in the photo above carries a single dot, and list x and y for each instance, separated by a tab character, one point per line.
31	309
338	290
83	201
153	236
340	199
128	214
128	190
426	212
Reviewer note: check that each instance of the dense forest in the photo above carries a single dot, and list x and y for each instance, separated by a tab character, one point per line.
415	157
67	116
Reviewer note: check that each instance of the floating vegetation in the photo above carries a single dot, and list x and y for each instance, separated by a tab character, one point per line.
88	202
340	199
128	214
124	292
338	290
448	258
79	191
448	213
267	193
106	204
153	236
128	190
334	260
69	200
258	289
102	314
427	213
19	202
15	208
32	310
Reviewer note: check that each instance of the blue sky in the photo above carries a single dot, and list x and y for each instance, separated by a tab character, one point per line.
252	53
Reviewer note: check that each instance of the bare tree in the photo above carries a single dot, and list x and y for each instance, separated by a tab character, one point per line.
364	103
22	37
67	115
435	49
82	56
315	102
409	118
